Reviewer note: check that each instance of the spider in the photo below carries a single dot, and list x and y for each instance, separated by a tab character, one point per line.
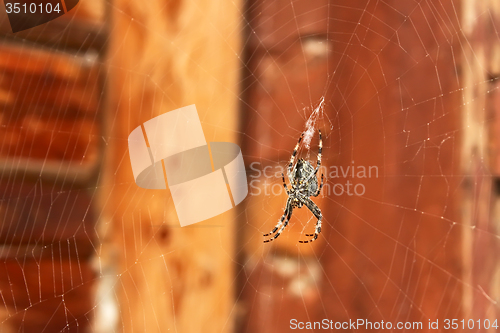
304	184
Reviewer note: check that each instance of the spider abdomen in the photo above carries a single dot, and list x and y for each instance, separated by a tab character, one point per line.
312	186
305	178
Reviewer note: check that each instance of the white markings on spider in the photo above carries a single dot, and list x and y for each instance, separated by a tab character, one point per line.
311	122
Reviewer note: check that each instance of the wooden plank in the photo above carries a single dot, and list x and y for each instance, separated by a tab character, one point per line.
283	51
39	216
49	103
51	294
481	160
163	57
51	131
289	56
50	117
393	254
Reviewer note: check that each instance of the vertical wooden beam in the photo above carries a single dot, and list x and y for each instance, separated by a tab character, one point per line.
480	158
165	55
50	107
393	254
288	57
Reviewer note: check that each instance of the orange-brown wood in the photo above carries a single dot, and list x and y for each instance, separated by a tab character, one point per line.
394	253
480	161
164	56
40	214
46	294
51	95
49	103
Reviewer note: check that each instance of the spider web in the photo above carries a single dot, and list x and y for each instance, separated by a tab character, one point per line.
408	90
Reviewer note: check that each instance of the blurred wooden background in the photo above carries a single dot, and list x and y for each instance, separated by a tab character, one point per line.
421	243
412	92
51	107
410	88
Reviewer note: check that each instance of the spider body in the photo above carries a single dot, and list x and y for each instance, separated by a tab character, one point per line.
304	184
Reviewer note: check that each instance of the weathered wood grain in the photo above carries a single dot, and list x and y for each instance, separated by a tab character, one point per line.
480	159
394	102
164	56
50	120
49	111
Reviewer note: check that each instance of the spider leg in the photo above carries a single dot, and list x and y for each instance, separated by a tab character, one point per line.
289	215
280	222
320	187
317	213
320	149
284	184
292	159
